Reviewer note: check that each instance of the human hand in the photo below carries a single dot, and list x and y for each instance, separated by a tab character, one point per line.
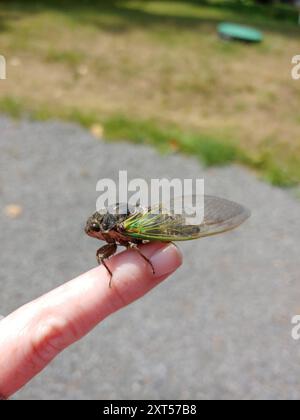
34	334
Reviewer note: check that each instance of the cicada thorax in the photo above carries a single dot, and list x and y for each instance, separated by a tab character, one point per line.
115	235
112	224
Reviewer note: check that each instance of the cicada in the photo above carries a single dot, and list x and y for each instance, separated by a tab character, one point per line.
130	226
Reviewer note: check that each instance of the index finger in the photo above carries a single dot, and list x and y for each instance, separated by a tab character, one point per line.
34	334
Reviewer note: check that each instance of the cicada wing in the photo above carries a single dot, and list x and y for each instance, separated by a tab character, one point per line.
157	223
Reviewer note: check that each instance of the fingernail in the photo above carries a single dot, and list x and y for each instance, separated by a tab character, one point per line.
166	260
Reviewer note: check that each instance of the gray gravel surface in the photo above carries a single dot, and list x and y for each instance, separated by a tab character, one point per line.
219	328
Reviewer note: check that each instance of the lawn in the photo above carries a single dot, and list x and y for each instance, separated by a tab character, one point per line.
156	72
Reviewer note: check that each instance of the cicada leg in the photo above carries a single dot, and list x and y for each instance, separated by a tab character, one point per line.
103	254
134	246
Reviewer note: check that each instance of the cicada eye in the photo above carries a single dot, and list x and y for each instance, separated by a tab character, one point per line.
95	227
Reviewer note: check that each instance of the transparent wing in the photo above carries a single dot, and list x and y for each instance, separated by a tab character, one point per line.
159	224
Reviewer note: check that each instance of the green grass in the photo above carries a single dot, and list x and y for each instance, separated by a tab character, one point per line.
155	72
12	107
211	151
71	58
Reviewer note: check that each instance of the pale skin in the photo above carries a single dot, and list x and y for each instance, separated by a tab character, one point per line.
33	335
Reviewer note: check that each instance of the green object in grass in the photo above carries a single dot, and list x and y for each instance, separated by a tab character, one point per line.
239	32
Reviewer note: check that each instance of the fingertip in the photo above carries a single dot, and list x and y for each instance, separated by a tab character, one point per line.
133	276
166	260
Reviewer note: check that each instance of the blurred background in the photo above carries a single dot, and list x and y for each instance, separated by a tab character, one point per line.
156	71
154	87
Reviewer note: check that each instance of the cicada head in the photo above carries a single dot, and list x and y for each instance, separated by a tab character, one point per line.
100	223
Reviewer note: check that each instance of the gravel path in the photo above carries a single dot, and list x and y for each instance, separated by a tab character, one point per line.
220	328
